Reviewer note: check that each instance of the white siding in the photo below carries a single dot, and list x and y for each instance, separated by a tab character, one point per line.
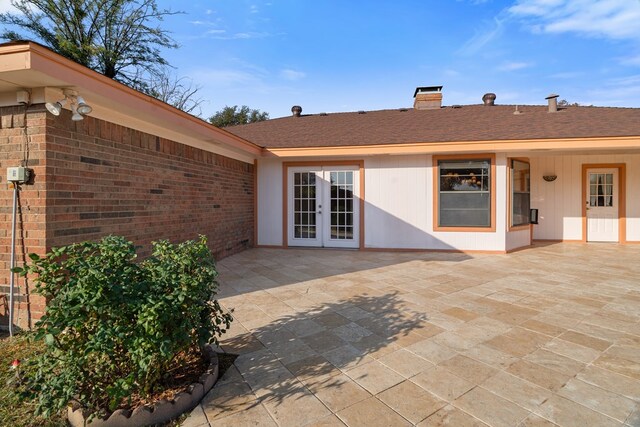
399	207
399	203
518	239
560	202
270	202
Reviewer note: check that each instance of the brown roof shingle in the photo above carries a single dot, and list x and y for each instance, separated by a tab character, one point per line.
447	124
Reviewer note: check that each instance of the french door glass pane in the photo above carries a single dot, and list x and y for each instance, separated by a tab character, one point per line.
304	202
341	204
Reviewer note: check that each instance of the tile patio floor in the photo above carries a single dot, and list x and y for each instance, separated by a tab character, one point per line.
541	337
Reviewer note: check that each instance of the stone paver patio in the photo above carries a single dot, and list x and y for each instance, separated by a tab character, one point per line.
541	337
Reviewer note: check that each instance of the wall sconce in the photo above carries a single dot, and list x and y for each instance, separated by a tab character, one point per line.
549	178
76	102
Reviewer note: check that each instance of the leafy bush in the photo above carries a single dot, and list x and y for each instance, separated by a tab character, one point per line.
112	326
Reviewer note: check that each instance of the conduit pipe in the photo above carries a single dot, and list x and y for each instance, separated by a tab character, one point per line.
16	187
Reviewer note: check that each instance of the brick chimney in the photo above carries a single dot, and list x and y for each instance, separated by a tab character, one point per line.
428	98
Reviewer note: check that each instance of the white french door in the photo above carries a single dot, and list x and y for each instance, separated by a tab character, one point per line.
602	205
323	207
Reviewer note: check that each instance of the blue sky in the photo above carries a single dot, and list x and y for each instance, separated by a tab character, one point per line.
330	56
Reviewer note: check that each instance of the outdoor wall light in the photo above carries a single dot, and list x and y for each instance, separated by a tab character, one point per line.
76	117
55	108
76	102
83	108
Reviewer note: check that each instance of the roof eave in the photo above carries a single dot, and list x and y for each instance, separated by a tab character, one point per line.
115	102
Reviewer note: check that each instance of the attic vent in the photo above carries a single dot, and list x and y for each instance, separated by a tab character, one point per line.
403	109
323	114
553	102
296	110
362	112
489	99
456	106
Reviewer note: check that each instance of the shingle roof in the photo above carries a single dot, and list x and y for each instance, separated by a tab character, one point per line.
447	124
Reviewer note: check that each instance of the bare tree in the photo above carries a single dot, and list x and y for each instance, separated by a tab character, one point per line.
118	38
180	92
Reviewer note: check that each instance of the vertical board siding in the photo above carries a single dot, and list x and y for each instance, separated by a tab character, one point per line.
270	202
560	202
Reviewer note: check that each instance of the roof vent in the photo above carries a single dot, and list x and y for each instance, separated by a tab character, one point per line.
489	99
427	98
553	102
362	112
403	110
296	110
324	114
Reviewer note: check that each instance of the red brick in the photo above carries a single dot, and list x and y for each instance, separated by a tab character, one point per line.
198	192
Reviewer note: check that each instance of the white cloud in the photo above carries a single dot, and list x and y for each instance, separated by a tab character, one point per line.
292	75
227	77
619	91
567	75
254	9
5	6
633	60
614	19
240	36
514	66
482	37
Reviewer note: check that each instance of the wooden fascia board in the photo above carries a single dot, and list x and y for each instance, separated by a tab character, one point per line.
461	147
40	59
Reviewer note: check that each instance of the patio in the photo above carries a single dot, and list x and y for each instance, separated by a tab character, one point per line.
545	336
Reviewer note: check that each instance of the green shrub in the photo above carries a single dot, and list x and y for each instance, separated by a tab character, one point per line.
113	326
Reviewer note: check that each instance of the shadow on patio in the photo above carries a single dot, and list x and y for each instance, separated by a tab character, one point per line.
283	362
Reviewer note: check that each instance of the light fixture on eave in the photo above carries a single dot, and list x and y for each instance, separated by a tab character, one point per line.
83	108
55	108
78	106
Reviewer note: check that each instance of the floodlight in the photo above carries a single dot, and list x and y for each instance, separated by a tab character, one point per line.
76	117
82	107
55	108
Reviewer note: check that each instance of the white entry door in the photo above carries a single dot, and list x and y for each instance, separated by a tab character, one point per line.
323	207
602	205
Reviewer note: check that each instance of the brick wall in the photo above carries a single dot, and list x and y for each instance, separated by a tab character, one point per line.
101	178
22	142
